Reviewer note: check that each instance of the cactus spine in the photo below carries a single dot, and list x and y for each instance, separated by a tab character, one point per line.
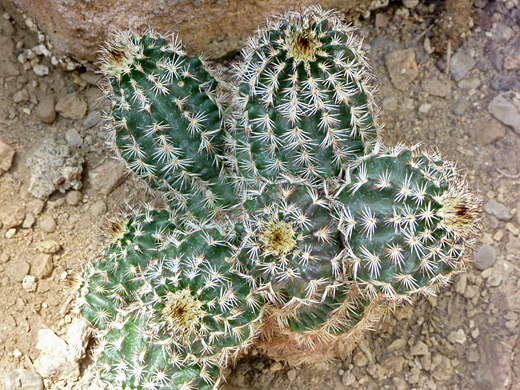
289	222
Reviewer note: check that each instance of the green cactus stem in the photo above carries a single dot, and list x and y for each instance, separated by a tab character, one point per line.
303	97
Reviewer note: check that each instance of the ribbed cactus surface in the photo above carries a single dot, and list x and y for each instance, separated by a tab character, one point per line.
304	97
289	222
170	296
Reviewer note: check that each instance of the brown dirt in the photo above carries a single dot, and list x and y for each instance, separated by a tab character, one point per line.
418	347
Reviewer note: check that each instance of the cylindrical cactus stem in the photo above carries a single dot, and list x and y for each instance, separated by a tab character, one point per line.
406	218
289	245
303	97
166	120
165	301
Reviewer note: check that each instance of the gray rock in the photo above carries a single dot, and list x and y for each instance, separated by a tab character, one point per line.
488	132
459	106
460	65
494	280
506	108
18	270
486	257
42	265
469	83
22	379
107	177
402	68
92	119
54	167
419	349
45	111
12	216
48	246
410	3
436	87
48	224
74	198
29	283
21	96
458	337
499	210
73	138
6	157
99	208
55	359
501	32
72	106
41	70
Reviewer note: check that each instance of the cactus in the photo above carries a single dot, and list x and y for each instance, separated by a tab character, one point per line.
304	98
289	224
164	301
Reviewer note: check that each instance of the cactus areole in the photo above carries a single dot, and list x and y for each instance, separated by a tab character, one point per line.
289	223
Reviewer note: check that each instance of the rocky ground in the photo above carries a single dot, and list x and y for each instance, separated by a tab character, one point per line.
466	103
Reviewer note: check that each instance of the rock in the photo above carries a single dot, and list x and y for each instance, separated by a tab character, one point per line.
396	345
486	257
410	3
469	83
460	65
73	138
78	336
501	32
107	177
6	157
394	364
291	375
54	167
10	233
48	224
444	369
35	206
92	119
22	379
54	359
99	208
214	27
21	96
494	280
359	359
506	108
72	106
74	198
419	349
458	337
41	70
402	68
18	270
29	221
513	243
42	265
488	132
29	283
381	20
424	108
389	103
459	106
48	247
436	87
45	111
461	283
497	209
12	216
348	379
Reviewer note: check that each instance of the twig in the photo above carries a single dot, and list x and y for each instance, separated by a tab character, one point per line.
448	57
515	176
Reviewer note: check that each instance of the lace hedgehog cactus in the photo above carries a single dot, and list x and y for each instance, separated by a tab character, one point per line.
289	224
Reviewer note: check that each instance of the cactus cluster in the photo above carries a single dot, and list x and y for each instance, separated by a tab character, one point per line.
289	223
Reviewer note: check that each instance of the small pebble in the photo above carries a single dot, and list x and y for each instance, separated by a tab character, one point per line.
91	119
48	224
29	283
486	257
73	138
45	111
41	70
494	280
10	233
22	379
459	107
74	197
29	221
21	96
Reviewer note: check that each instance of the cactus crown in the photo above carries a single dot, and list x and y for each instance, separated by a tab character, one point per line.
289	222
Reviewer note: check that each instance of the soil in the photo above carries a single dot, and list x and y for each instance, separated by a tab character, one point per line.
466	338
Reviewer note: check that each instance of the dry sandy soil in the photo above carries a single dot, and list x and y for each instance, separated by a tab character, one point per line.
467	338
